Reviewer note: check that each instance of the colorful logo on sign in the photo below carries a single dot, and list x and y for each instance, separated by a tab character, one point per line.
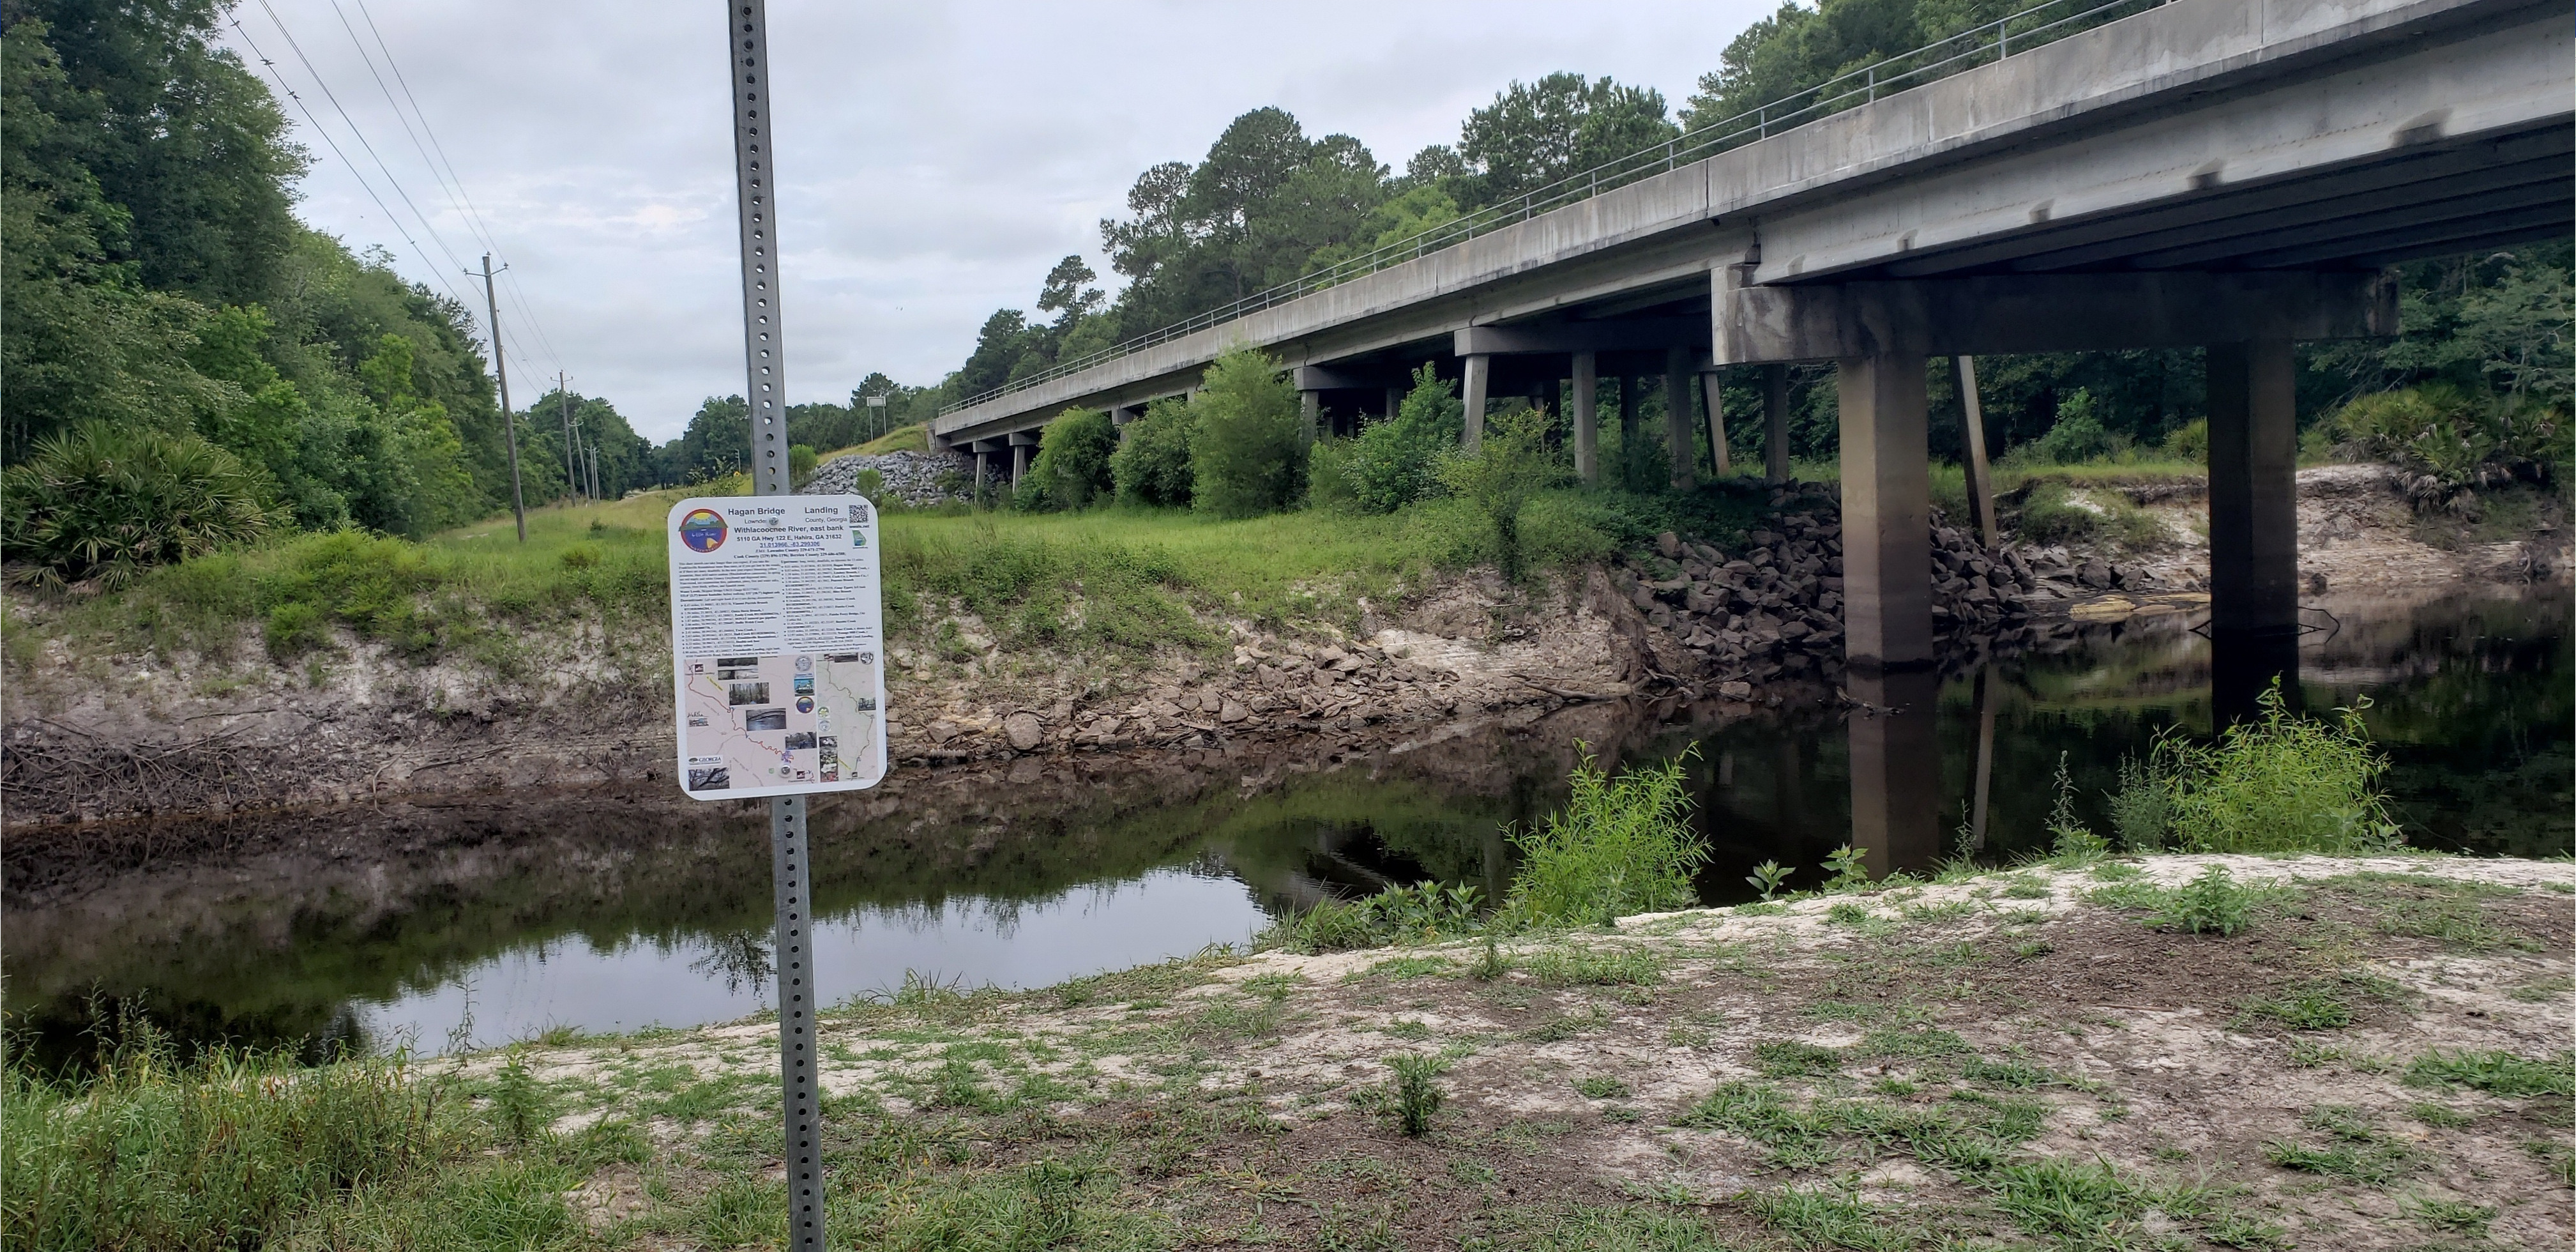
703	530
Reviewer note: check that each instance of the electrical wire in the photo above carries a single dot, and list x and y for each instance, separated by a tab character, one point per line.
450	182
363	184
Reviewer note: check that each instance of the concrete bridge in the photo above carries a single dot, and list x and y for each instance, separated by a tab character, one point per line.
2227	174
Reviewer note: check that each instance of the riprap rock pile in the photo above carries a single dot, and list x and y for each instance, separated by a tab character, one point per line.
912	477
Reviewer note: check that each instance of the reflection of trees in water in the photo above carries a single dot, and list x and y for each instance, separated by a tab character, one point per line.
738	957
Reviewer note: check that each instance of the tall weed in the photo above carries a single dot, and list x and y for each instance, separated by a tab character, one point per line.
1619	846
2277	783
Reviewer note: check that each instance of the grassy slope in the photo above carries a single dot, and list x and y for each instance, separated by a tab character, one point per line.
1110	578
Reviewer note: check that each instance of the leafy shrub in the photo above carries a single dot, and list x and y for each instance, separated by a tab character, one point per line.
2451	441
1396	462
1422	911
2214	903
2190	441
1619	846
1072	465
1248	453
1512	464
2142	809
2049	514
2078	434
800	463
1328	475
1417	1091
1152	465
2278	783
96	507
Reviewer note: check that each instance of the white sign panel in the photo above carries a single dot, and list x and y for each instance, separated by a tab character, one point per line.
778	645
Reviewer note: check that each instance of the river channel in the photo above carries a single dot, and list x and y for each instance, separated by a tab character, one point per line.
485	919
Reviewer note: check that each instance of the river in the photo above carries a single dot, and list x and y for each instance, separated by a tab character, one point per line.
487	919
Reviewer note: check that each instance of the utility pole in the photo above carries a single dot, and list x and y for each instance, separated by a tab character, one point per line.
509	424
572	451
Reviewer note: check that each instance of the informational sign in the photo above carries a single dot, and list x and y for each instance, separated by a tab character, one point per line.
778	645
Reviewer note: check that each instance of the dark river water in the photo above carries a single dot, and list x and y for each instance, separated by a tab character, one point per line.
488	919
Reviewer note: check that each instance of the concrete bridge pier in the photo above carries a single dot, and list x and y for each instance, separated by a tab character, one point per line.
983	457
1120	417
1775	424
1887	510
1394	402
1023	445
1479	372
1678	369
1310	411
1712	393
2253	523
1587	421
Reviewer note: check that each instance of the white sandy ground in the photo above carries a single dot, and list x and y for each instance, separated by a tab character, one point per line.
2148	1084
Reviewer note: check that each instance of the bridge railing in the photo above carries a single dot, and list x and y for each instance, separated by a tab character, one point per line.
1984	44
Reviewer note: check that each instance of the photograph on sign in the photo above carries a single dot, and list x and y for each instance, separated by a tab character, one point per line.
777	645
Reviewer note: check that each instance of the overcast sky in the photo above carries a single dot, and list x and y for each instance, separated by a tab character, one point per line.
936	158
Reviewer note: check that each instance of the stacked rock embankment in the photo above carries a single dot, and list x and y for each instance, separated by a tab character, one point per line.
1772	605
915	478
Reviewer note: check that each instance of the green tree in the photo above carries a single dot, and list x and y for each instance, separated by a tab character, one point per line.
1248	452
1152	464
1072	468
1536	133
716	443
1397	461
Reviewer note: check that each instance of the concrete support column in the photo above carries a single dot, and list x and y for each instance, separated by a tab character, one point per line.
1713	394
1981	476
1895	768
1587	419
1480	376
1677	416
1394	402
982	473
1628	418
1119	418
2253	522
1887	511
1310	411
1775	423
1019	463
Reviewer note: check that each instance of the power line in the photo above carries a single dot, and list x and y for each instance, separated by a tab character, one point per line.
334	145
360	134
450	182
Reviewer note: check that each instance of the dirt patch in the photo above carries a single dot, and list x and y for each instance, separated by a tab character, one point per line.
2381	1059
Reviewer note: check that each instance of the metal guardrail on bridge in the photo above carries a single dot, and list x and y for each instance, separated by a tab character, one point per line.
1979	45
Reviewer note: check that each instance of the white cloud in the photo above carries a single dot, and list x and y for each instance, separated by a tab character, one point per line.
936	158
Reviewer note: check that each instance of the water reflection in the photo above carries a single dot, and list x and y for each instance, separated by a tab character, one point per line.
613	911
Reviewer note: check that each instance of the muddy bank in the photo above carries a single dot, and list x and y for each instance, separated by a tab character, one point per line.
1756	620
2376	1058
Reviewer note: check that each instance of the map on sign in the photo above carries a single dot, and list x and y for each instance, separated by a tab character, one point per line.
777	645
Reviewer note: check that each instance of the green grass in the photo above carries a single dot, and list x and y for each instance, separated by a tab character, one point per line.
1585	967
2500	1074
242	1150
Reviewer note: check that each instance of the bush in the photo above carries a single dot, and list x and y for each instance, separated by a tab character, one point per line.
2451	441
1397	461
2078	434
2277	783
1619	846
2190	441
2049	515
2214	903
1072	465
1512	464
96	507
1248	451
1152	466
800	463
1328	475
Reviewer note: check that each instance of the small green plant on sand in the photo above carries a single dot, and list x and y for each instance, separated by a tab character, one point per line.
2072	841
1845	870
518	1103
1620	846
2214	903
1768	878
1417	1090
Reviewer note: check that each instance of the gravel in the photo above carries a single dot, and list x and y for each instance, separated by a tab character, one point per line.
913	477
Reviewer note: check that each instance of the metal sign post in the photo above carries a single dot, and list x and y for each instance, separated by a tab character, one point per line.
756	186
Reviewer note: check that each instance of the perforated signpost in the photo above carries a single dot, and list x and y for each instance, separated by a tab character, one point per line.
777	642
